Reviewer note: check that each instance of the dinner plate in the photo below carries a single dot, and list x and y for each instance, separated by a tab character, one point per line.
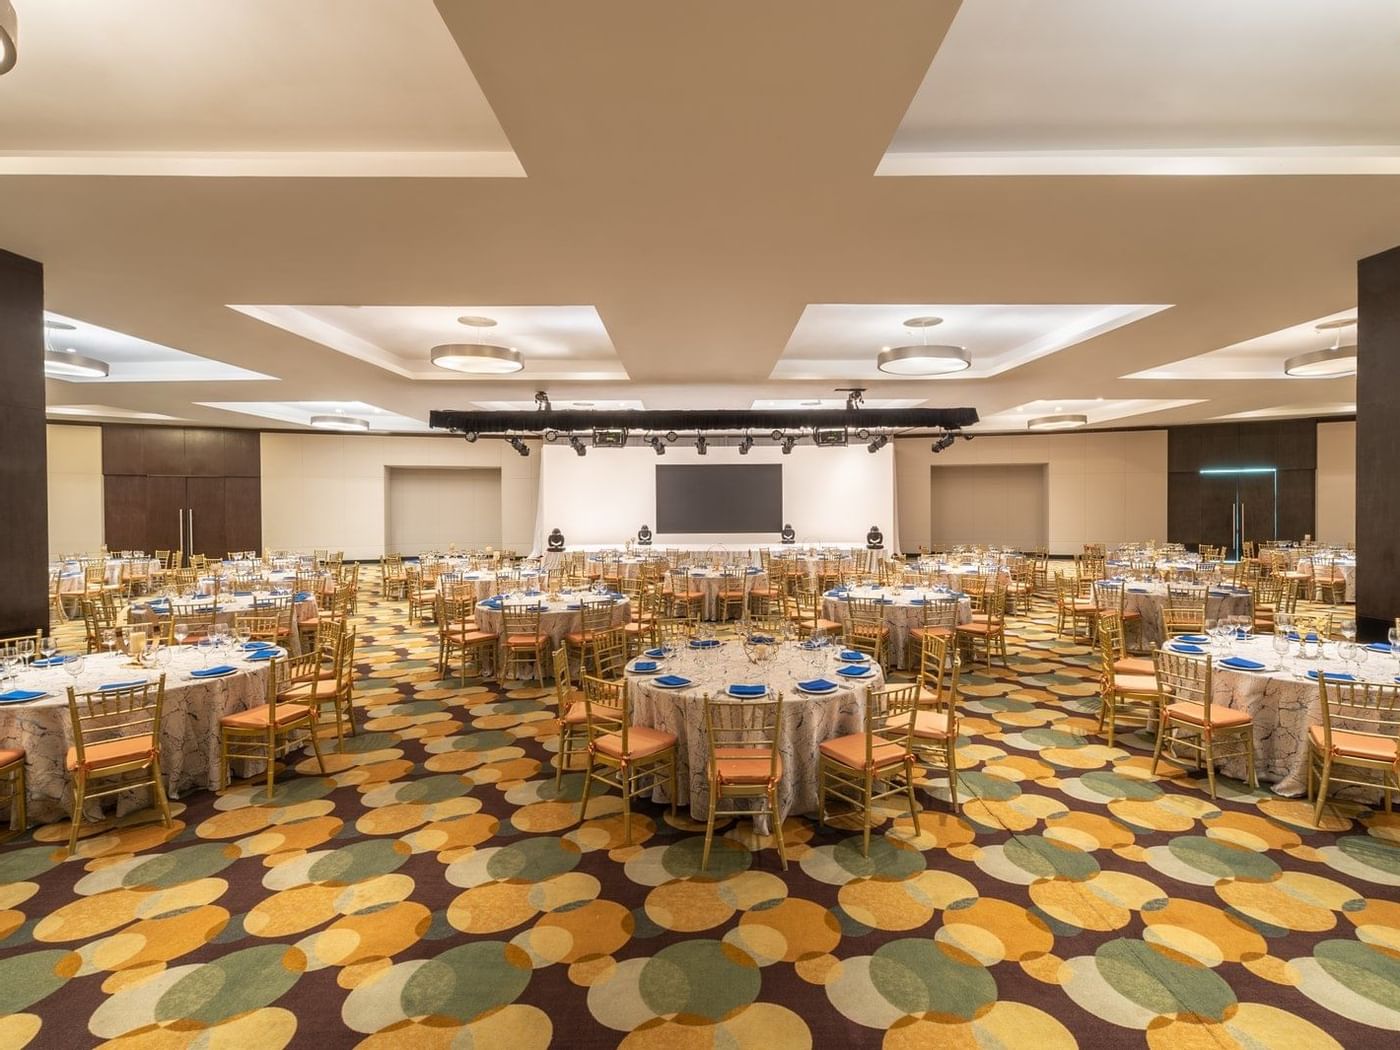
862	671
210	677
683	683
704	643
728	691
818	692
851	656
632	669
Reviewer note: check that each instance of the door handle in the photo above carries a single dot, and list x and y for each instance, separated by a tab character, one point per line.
191	511
1241	522
1234	523
182	536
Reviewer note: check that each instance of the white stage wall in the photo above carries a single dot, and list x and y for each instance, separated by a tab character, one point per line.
830	495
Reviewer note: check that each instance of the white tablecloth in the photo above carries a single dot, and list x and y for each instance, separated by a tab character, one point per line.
711	584
230	605
901	614
557	618
807	720
1346	568
189	727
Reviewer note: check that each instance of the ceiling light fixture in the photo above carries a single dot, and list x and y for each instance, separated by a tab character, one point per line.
923	359
9	36
829	437
340	422
476	321
1335	361
470	437
1068	421
878	442
65	364
477	358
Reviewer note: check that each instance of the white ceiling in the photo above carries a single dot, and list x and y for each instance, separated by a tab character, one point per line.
1263	357
1098	411
696	180
300	413
134	360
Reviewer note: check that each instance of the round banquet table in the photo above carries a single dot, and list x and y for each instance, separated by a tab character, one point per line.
1149	600
1346	567
628	565
559	615
1283	702
485	583
810	564
904	609
807	720
956	571
711	584
189	750
72	581
229	606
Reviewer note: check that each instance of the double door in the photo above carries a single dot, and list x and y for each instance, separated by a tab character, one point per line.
1237	508
194	515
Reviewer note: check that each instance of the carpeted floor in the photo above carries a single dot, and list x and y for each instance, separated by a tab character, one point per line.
433	890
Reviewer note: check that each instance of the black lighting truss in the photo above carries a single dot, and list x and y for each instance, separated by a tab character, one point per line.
733	421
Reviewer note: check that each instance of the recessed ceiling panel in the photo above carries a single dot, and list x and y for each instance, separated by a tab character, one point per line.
131	359
1098	411
842	340
301	413
1262	357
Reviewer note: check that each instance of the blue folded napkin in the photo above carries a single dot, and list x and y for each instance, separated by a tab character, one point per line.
57	661
571	608
1194	639
752	571
1187	647
853	672
704	643
918	601
1239	663
809	645
1375	647
748	690
852	656
19	696
301	596
644	665
1293	636
1333	676
659	653
242	594
761	639
816	685
530	594
121	685
258	645
212	672
884	601
262	654
1137	590
672	680
1242	634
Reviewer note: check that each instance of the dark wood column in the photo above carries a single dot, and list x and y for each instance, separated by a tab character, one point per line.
24	485
1377	442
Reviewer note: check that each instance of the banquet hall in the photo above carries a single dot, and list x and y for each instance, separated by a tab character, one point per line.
740	525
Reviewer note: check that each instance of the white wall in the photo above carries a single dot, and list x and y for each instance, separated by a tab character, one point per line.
75	488
1102	487
1336	482
330	490
432	508
830	495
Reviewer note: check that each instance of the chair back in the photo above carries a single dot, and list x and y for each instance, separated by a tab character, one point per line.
865	621
1184	679
522	620
1111	637
261	627
597	615
608	653
938	681
606	708
744	729
560	661
889	719
102	715
1185	609
1368	708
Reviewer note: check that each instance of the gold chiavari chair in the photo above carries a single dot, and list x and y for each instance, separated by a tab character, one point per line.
987	630
334	681
672	632
1189	719
595	619
393	581
805	613
687	596
459	635
421	596
1358	742
865	629
938	617
1071	608
1131	696
633	759
259	627
1329	583
732	599
1110	597
265	733
862	768
1266	594
14	789
935	738
571	716
1185	609
201	619
1124	664
762	595
641	627
608	654
524	642
99	622
116	739
744	764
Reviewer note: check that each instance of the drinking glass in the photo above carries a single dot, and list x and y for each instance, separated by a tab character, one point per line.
74	665
1393	635
1348	630
182	631
48	647
1280	642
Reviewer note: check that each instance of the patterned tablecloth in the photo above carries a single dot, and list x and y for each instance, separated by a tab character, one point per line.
1149	600
1283	703
557	618
1346	567
711	583
72	581
229	606
807	720
905	610
483	583
189	723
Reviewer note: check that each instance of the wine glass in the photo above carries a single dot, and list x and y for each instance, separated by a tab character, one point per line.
182	631
1348	630
47	646
109	641
74	665
1393	636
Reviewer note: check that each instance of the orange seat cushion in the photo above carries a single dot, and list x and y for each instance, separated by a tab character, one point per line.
470	637
258	717
930	632
849	750
641	741
931	725
741	765
321	689
819	624
1366	746
524	641
1135	683
11	754
1220	717
1135	665
113	752
576	714
980	628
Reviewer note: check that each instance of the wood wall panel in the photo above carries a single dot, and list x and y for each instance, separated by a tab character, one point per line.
1377	439
24	517
124	511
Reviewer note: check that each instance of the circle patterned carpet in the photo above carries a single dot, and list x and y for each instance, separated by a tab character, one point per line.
435	890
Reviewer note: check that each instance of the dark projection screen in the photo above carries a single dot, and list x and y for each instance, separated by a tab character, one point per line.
719	498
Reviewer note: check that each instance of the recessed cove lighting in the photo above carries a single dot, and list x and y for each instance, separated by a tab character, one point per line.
477	358
921	360
65	364
60	326
1068	421
1335	323
476	321
339	422
1323	364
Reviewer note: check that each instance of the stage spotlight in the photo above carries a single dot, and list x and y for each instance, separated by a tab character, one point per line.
578	446
745	445
470	436
863	433
671	436
829	437
702	444
788	443
878	442
519	445
658	446
551	436
777	435
946	441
